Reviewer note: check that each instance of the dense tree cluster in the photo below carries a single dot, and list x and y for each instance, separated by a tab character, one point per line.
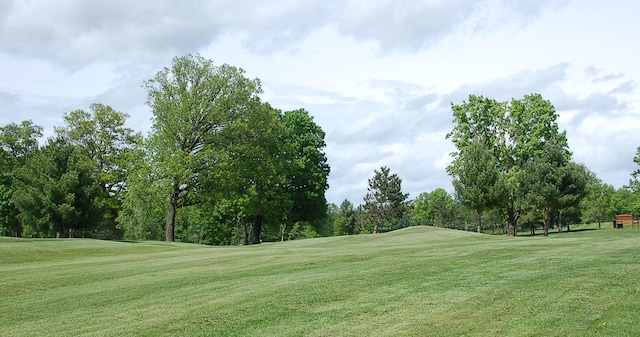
512	160
220	166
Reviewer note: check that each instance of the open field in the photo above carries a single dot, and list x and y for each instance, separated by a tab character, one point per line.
418	281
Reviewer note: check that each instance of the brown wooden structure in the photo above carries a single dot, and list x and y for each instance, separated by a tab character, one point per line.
623	219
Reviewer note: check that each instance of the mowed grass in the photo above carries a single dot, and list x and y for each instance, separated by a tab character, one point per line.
418	281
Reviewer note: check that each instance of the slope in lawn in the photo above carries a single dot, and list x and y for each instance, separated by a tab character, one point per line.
418	281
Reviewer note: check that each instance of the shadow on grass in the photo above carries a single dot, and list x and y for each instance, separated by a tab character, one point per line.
129	241
555	231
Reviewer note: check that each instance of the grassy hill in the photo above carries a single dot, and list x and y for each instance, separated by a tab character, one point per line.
418	281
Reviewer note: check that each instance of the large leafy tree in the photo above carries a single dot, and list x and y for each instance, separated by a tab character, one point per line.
110	147
144	205
422	211
273	171
192	101
307	170
622	201
249	181
517	132
475	173
17	143
57	191
385	203
597	204
546	178
435	208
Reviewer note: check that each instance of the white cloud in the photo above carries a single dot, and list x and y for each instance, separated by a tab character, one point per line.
378	76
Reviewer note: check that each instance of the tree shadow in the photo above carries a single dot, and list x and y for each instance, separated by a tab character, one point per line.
555	231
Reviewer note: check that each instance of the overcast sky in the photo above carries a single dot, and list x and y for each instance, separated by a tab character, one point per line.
378	76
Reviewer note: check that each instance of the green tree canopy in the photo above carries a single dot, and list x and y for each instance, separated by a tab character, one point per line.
57	191
475	173
516	133
434	208
109	146
17	143
385	203
192	101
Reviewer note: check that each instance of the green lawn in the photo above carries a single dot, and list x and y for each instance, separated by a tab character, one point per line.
418	281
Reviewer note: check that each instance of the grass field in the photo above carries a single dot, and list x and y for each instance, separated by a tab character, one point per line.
418	281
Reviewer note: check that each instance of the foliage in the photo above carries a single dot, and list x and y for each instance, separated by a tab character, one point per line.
475	174
434	208
272	174
247	185
596	205
307	169
144	207
497	141
622	201
231	168
17	143
544	177
56	192
385	203
192	101
109	146
344	221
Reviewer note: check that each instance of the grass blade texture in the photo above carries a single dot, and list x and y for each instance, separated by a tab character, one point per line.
418	281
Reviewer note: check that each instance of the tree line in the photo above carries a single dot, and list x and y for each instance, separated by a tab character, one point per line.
512	169
220	166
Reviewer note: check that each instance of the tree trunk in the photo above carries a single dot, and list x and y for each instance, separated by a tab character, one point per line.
560	223
257	229
171	216
512	223
479	222
283	228
545	230
547	221
245	232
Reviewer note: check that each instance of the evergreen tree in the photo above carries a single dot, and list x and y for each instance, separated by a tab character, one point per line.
385	203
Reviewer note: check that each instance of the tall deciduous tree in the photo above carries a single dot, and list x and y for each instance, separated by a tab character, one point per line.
307	168
251	172
144	205
516	132
435	208
109	145
273	171
422	210
597	204
475	173
545	177
192	101
385	202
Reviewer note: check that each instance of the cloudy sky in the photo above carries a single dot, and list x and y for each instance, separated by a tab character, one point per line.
379	76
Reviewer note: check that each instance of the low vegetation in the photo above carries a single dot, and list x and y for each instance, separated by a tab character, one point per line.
419	281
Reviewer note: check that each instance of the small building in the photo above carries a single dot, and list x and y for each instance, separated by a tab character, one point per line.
623	219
